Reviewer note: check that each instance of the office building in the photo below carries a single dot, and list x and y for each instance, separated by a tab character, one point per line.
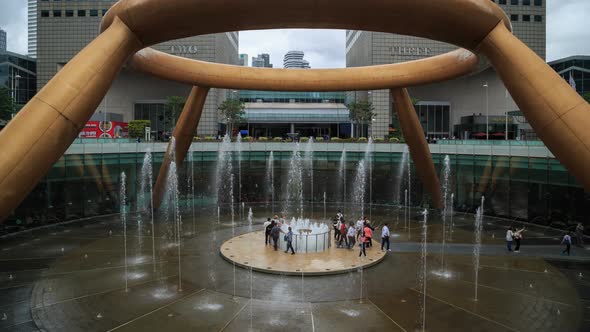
294	59
2	40
32	28
243	61
262	61
65	27
576	70
444	104
18	74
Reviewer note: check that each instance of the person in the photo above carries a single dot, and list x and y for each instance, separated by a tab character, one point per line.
289	239
580	234
509	238
339	215
362	243
567	240
517	238
275	232
343	237
385	237
336	230
268	230
359	227
351	235
370	234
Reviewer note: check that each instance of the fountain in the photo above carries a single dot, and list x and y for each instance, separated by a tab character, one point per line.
147	187
123	211
224	178
250	214
270	179
445	189
342	175
191	189
239	150
308	236
359	189
400	176
172	198
308	157
423	271
477	246
294	188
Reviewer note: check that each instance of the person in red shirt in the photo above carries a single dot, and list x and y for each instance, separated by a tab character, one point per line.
368	234
342	234
364	239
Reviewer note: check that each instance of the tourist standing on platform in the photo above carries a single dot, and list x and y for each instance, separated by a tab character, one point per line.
370	234
360	224
580	234
275	232
267	230
363	243
567	240
385	237
343	237
517	238
289	239
339	215
509	238
351	235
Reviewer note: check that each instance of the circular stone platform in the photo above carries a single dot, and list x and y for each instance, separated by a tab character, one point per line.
248	251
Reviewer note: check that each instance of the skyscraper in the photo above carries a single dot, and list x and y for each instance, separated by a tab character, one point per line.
294	59
2	40
32	28
262	60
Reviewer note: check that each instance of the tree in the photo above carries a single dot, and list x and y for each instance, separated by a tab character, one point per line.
6	104
175	105
137	128
360	112
232	111
586	97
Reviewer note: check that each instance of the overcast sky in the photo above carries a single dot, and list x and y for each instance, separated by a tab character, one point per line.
568	33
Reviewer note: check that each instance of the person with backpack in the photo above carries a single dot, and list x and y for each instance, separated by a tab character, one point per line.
567	240
517	238
369	233
267	229
289	240
274	233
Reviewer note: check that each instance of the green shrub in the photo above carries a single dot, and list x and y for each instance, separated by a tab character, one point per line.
304	139
379	140
196	138
247	139
362	139
394	140
209	138
263	139
277	139
319	139
137	128
335	139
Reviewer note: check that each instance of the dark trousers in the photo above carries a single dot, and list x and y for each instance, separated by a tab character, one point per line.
517	244
363	252
351	242
342	239
267	239
567	249
369	242
275	241
509	245
290	245
383	241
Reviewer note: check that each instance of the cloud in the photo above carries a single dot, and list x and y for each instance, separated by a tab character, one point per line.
568	33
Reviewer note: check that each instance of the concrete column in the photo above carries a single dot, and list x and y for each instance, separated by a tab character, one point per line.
419	150
292	128
183	135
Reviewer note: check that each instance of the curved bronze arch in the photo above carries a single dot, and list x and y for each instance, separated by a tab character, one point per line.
48	124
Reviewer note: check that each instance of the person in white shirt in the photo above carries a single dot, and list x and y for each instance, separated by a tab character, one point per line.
360	224
509	238
351	234
567	240
385	237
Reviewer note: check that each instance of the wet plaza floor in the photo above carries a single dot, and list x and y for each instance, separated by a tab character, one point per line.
71	277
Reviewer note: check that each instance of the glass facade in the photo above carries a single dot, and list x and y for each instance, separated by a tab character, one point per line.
160	117
18	74
435	119
249	96
539	190
579	69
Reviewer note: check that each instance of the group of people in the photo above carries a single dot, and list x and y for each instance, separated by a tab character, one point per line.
361	232
272	231
516	236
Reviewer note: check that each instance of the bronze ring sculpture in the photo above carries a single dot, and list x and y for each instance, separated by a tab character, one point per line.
48	124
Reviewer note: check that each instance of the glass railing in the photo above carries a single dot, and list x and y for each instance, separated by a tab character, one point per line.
304	243
490	142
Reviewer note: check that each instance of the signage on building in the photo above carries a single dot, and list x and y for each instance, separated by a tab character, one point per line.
183	49
108	129
410	51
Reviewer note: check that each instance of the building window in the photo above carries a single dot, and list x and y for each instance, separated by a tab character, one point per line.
526	18
45	13
93	12
539	3
69	13
538	18
57	13
514	2
104	12
526	2
81	13
514	17
502	2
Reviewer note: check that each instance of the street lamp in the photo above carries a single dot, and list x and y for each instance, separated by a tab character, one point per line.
487	112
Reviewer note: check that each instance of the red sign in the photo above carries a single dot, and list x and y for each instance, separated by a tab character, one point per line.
108	129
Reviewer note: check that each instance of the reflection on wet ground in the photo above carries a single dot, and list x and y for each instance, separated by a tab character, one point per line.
71	278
